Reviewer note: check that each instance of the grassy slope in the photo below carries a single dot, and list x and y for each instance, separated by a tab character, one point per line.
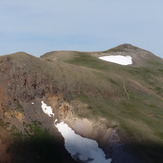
130	97
141	106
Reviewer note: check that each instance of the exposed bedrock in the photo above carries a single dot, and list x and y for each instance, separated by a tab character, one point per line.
96	129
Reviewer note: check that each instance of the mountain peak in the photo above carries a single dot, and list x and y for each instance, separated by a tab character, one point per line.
127	46
123	47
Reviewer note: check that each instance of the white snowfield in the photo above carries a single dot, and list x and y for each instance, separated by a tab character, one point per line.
81	149
47	109
119	59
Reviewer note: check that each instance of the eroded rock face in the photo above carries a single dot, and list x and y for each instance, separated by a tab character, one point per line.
21	83
95	129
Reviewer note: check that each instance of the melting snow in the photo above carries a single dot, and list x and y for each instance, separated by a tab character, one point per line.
119	59
47	109
80	148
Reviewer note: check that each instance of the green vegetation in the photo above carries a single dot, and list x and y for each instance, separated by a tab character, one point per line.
3	124
131	96
82	59
36	131
36	144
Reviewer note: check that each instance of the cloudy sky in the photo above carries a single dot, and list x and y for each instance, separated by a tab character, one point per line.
39	26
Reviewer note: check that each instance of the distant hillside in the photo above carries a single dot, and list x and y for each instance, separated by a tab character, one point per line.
118	106
140	56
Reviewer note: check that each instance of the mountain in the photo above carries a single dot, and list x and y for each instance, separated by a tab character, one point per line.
118	106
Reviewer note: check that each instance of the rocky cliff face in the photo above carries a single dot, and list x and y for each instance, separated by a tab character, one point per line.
23	80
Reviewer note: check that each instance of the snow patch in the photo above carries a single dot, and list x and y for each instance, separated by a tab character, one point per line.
81	149
47	109
119	59
32	103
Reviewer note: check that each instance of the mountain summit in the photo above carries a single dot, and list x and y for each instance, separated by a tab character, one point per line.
65	105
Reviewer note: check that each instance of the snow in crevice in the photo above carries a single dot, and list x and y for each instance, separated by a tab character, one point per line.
47	109
81	149
119	59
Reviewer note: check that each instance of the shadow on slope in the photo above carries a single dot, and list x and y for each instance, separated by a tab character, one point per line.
40	150
137	153
43	150
38	146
